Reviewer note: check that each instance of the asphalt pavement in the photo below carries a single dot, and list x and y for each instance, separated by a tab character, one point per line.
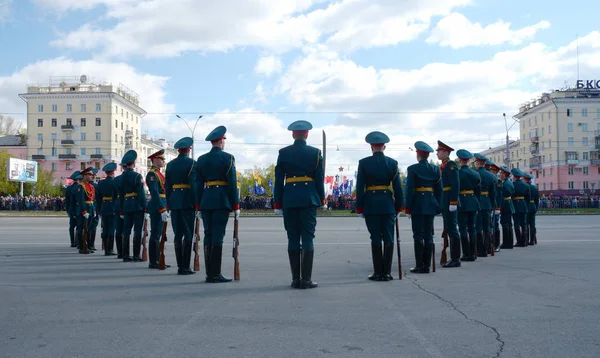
540	301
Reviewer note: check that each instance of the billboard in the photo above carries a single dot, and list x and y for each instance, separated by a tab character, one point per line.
20	170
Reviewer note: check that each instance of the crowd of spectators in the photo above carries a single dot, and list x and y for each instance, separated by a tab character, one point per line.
32	203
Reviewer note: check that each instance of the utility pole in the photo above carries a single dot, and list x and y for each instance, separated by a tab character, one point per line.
507	157
193	143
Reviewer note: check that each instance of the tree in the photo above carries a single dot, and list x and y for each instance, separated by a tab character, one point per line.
10	126
43	186
258	174
6	187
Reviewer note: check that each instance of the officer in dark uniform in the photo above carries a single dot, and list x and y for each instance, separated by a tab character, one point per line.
450	201
487	204
534	202
217	195
95	220
423	198
157	206
117	210
106	207
299	191
379	205
133	207
71	204
494	169
507	209
521	199
85	194
470	189
181	201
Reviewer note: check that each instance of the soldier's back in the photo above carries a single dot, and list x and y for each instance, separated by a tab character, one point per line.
470	182
178	178
423	179
488	189
298	161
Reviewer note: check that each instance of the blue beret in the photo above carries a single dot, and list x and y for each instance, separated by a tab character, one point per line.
129	157
89	170
300	126
377	138
216	134
443	146
423	147
159	154
184	142
464	154
76	175
517	172
110	167
480	157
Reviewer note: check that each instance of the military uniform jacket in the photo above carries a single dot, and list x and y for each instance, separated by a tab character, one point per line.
155	180
116	197
86	194
105	198
450	183
521	196
179	177
303	163
70	199
499	198
470	189
216	181
507	192
534	200
487	197
378	170
132	197
423	189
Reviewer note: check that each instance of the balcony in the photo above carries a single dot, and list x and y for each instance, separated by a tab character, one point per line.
535	163
67	156
38	157
534	149
572	161
67	142
67	127
96	156
597	144
535	139
595	162
597	133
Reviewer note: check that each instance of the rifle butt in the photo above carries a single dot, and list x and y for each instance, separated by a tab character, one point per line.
433	256
398	249
236	244
196	245
161	260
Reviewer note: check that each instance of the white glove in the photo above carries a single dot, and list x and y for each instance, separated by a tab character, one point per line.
236	214
122	216
198	214
452	208
278	212
361	216
169	214
86	215
497	212
146	216
406	215
324	207
99	216
164	216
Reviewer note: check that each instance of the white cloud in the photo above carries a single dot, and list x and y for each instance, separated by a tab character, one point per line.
5	9
456	31
268	65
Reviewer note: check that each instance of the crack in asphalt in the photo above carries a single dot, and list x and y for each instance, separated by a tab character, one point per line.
498	337
544	272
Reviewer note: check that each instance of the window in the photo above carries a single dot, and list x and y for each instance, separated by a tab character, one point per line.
136	133
97	165
69	166
82	151
570	127
121	125
584	127
121	112
116	153
116	124
549	129
137	119
69	121
54	152
584	141
543	159
551	185
53	166
550	143
69	152
116	109
544	186
40	122
40	107
542	131
69	108
542	117
571	186
54	108
121	139
83	166
544	173
116	139
570	171
83	108
529	122
40	137
98	107
585	184
549	115
98	136
83	136
53	136
53	122
586	156
127	114
586	171
98	122
570	141
569	113
584	112
83	122
550	157
97	150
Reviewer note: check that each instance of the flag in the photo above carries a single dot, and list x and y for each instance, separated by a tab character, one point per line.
270	181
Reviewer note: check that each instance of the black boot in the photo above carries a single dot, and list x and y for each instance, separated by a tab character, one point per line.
307	265
511	238
104	243
497	240
427	251
111	245
125	249
506	238
207	249
473	242
454	253
418	247
119	243
72	237
534	236
186	256
216	256
466	248
153	252
294	256
377	258
91	241
526	236
388	256
483	244
137	246
178	255
519	236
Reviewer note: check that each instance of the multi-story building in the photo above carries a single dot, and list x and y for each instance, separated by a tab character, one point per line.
15	146
560	135
498	154
150	146
74	122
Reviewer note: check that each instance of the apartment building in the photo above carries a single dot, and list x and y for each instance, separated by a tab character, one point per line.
150	146
560	140
75	122
498	154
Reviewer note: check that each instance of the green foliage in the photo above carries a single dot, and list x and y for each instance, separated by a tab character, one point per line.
6	187
43	186
261	175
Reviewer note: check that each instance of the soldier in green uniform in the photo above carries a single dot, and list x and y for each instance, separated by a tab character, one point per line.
423	198
450	201
487	204
470	189
85	194
494	169
217	195
157	206
521	199
117	210
95	220
181	201
71	204
379	205
507	209
299	191
105	200
133	207
534	202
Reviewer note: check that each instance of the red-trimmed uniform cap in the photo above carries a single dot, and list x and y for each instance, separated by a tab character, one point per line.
159	154
377	138
423	148
89	170
444	146
216	134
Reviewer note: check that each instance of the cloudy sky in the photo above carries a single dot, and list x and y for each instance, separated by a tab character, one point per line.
414	69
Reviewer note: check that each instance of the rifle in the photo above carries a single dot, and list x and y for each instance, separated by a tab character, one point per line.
145	250
196	239
163	239
235	254
444	258
399	253
84	237
102	233
491	236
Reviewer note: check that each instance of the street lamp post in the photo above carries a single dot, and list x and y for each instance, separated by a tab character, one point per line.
191	130
507	158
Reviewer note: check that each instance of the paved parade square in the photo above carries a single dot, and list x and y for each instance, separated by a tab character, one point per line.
541	301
